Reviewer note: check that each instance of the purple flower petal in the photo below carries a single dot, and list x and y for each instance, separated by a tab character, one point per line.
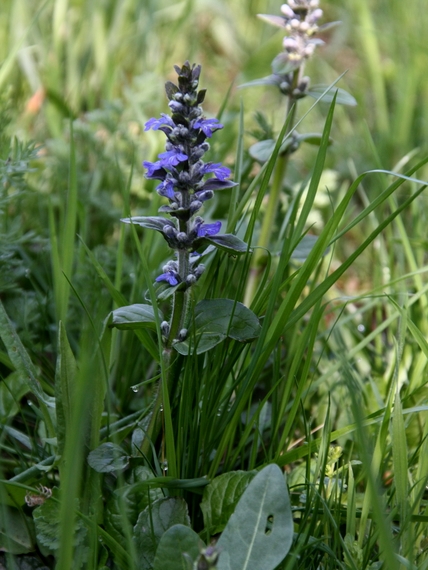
207	126
221	172
172	157
205	230
166	188
170	277
154	170
156	124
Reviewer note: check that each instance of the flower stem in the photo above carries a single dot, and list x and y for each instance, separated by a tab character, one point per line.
273	201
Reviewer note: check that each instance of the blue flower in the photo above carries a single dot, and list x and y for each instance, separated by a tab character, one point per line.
170	277
172	157
207	126
220	172
206	230
156	124
154	170
166	188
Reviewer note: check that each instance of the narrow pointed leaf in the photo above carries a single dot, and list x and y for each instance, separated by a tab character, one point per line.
150	222
225	242
65	378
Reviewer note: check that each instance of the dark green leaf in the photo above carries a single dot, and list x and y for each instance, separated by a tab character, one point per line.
12	389
136	316
16	532
129	501
221	497
343	97
205	342
176	542
108	457
226	242
201	96
260	531
171	89
216	319
47	523
151	525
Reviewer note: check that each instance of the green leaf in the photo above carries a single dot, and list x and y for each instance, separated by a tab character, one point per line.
216	319
269	80
108	457
129	501
221	497
12	389
304	248
150	222
277	21
313	138
226	242
176	542
47	523
262	150
281	64
260	531
24	366
136	316
343	97
16	532
65	378
152	524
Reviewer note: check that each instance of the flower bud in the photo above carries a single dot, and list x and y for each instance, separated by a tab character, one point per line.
182	335
165	328
287	11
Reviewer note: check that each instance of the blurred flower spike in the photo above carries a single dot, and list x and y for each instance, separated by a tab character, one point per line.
300	21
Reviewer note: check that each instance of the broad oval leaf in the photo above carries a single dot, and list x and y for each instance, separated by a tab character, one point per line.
221	497
226	242
343	97
260	531
216	319
136	316
16	532
262	150
304	248
152	524
108	457
178	546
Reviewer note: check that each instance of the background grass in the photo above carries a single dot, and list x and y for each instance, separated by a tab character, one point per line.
342	360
